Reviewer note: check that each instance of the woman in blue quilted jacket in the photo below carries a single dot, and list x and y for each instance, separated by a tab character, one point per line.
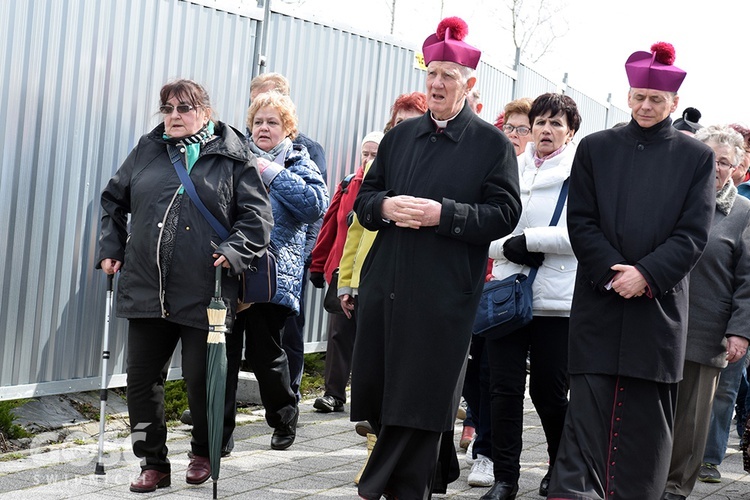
298	197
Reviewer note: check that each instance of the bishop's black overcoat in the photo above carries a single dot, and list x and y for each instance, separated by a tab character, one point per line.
643	197
420	288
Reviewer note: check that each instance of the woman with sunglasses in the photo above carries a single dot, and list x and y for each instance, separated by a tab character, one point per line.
542	170
167	257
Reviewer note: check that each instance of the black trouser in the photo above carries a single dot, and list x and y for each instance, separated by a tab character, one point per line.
402	464
151	343
476	392
260	327
545	339
293	340
339	350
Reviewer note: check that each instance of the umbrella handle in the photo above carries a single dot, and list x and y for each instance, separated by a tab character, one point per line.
217	284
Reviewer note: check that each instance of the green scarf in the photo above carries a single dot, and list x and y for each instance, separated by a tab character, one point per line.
192	145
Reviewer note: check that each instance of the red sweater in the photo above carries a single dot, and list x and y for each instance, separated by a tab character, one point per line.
329	246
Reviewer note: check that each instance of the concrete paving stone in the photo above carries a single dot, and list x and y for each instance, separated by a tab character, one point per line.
13	482
52	485
313	483
247	482
342	492
321	464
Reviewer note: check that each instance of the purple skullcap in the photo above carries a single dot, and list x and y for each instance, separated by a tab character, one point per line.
447	44
654	70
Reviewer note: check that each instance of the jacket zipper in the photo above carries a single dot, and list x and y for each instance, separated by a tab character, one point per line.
158	244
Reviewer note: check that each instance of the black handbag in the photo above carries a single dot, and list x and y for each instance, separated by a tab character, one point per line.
331	302
259	280
506	304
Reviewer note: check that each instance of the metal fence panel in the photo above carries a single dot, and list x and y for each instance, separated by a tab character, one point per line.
79	87
79	84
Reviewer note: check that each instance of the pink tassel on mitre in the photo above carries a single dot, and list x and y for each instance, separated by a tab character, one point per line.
663	52
459	28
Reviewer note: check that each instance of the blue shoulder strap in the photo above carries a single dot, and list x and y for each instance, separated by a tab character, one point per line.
555	217
174	155
560	202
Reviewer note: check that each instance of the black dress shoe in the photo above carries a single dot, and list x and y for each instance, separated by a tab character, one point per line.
672	496
501	491
328	404
544	485
284	434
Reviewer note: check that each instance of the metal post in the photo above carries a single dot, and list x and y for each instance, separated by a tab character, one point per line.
516	65
261	42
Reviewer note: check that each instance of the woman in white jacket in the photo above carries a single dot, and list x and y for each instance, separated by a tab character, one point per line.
542	169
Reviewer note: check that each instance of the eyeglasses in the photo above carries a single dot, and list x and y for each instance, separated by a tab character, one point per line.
522	130
167	109
724	164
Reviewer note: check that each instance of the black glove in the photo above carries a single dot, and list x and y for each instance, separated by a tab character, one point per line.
317	280
515	251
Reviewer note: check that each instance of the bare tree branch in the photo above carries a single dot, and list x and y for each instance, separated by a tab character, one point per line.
534	25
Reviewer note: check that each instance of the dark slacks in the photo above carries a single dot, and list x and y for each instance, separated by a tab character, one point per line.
545	340
695	394
341	334
617	440
476	392
151	343
260	328
293	340
402	464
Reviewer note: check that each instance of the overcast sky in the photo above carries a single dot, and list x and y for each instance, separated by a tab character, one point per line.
710	40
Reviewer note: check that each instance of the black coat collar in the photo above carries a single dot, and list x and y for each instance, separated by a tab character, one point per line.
660	131
455	128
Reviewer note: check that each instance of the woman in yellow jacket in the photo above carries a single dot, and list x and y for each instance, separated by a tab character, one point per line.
358	243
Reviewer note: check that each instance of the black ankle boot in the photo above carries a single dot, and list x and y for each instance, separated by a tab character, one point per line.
501	491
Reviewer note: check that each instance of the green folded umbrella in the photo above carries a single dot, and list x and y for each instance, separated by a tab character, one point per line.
216	377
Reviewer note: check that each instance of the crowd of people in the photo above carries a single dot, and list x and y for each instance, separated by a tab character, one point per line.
636	351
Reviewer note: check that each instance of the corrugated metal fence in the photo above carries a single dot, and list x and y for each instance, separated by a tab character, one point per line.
79	85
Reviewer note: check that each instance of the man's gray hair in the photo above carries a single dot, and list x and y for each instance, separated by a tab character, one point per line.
466	72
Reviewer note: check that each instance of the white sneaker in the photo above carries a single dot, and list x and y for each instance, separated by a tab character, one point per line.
481	472
470	452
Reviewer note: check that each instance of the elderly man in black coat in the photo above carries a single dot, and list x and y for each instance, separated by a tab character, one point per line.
443	186
640	207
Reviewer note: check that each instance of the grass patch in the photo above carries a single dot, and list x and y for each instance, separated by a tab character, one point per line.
313	382
86	409
175	399
9	429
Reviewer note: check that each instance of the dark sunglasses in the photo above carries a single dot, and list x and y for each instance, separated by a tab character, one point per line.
167	109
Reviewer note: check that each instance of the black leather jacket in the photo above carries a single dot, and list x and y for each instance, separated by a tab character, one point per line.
145	186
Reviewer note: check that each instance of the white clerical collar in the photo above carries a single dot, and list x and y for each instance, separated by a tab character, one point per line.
443	123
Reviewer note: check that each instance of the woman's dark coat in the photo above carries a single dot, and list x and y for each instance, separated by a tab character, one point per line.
420	288
643	197
720	285
227	181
